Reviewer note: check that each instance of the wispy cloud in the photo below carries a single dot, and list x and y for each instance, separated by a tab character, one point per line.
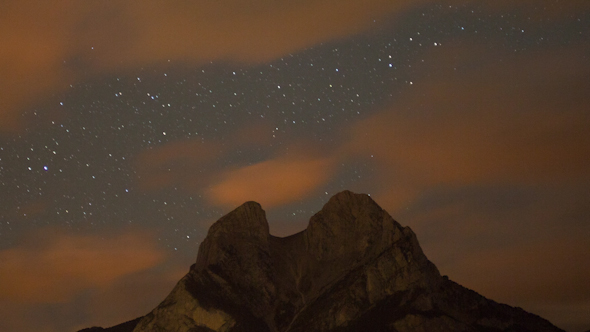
519	120
50	46
52	266
272	182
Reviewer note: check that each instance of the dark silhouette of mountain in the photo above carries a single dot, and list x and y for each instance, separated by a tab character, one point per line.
123	327
353	269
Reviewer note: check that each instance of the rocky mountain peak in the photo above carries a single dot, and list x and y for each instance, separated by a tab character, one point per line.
353	269
234	234
249	219
350	202
350	226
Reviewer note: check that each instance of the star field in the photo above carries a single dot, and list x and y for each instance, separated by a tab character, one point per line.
76	158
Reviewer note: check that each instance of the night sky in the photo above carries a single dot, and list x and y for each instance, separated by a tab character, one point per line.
128	127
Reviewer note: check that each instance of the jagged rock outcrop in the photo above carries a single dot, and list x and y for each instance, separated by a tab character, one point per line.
353	269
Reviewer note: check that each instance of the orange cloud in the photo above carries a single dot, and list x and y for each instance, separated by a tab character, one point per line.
250	31
552	270
52	45
134	295
49	46
548	277
31	57
522	120
272	182
51	266
195	167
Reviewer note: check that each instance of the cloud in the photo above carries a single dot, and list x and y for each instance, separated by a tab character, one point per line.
547	277
240	31
552	270
454	224
232	171
30	61
51	266
132	296
50	46
54	45
519	120
273	182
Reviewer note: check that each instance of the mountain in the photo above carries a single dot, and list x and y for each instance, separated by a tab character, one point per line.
353	269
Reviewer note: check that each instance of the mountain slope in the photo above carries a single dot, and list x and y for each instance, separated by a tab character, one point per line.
353	269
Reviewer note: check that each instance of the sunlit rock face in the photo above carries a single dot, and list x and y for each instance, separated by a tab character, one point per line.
353	269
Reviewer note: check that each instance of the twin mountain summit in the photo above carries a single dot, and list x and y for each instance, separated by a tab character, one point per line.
353	269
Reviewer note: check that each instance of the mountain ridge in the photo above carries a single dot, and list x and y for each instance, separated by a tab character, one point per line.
353	268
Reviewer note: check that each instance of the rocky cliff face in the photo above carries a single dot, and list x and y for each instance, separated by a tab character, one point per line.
353	269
